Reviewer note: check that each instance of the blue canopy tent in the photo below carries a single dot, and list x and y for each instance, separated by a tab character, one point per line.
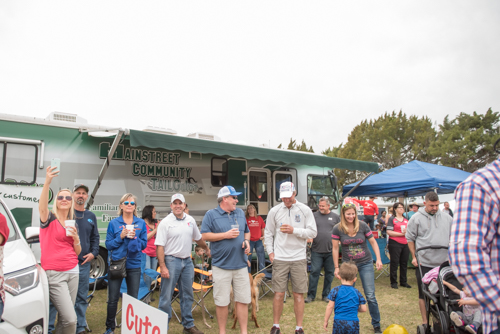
413	179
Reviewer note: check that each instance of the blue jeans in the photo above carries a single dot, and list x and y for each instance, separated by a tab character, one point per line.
133	280
181	273
367	276
80	303
318	261
261	257
149	263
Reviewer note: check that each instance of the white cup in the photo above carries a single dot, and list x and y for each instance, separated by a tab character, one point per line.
403	229
236	226
71	223
129	228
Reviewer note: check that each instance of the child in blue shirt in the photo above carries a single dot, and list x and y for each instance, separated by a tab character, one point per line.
347	301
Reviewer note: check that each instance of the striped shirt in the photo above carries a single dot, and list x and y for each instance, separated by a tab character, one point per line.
475	240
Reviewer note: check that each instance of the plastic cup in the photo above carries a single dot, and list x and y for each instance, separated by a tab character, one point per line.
403	229
282	226
236	226
129	228
71	223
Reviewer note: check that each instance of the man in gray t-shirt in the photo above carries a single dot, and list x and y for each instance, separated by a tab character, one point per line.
321	250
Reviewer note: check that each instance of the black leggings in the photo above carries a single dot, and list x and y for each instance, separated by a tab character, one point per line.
399	256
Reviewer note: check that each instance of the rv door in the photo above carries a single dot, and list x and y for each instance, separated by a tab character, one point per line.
258	190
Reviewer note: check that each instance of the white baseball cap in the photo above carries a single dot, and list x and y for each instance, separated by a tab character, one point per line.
227	191
286	190
180	197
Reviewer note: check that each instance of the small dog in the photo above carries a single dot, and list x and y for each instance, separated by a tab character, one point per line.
254	288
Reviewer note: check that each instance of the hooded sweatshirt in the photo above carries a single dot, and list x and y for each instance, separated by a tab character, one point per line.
424	230
289	247
131	248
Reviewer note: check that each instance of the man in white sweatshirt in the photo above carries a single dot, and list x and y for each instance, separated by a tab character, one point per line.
288	227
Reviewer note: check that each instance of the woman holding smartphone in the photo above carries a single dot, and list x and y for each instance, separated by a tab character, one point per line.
126	237
60	246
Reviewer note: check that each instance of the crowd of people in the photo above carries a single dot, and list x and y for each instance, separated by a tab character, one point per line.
471	234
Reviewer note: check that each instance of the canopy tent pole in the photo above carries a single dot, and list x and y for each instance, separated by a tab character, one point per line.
342	198
105	166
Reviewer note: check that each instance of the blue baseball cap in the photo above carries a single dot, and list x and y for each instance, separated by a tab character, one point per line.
227	191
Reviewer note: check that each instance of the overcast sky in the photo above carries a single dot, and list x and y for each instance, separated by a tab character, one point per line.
253	72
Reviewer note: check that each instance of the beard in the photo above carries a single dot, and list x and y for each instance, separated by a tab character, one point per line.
80	201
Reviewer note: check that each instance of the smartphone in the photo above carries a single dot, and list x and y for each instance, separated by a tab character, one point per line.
56	162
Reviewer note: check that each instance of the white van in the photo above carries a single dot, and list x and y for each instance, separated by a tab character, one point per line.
26	286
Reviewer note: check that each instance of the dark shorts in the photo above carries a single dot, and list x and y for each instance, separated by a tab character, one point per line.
345	327
425	270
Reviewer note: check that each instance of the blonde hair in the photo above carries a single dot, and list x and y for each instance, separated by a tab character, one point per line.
55	209
123	199
343	221
254	209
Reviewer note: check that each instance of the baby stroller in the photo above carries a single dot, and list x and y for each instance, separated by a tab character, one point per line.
439	305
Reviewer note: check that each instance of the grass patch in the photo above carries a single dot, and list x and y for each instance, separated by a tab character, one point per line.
396	307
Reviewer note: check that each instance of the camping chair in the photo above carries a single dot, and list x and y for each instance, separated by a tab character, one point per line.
264	283
144	290
382	244
200	291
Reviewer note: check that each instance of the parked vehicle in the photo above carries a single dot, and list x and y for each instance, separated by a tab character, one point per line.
27	289
152	164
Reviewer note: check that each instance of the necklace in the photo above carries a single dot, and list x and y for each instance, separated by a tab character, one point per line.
76	216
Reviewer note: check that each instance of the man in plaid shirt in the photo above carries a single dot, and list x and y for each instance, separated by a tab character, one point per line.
474	242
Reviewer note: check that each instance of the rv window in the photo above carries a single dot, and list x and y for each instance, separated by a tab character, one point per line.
280	178
18	164
219	172
319	186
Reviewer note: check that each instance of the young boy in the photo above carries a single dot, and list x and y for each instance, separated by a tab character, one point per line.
471	317
199	261
347	301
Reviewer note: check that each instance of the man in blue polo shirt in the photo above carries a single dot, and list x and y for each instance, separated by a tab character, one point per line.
226	229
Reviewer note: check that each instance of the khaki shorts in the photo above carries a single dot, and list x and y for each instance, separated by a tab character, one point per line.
298	274
222	285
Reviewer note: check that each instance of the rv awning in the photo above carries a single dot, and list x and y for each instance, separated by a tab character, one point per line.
186	144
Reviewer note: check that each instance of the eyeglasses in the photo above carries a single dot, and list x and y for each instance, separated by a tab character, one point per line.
127	203
349	205
400	207
68	198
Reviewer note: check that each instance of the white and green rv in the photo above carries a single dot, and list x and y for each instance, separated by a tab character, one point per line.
152	164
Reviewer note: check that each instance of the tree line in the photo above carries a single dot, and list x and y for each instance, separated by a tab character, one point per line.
465	142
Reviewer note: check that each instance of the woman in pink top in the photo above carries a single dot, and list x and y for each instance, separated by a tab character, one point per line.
60	246
149	253
398	246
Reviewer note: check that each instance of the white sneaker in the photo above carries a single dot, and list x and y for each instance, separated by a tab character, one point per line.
457	319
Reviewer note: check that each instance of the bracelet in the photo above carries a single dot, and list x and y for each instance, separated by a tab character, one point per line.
77	243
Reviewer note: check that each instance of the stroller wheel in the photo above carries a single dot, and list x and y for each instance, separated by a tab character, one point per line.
420	329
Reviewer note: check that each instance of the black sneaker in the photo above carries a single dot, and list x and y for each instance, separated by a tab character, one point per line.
275	330
299	331
394	285
405	285
377	330
308	300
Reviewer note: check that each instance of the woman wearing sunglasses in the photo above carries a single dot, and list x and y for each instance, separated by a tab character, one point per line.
60	246
126	237
353	235
398	246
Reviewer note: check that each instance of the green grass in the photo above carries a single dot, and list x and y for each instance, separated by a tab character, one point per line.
396	307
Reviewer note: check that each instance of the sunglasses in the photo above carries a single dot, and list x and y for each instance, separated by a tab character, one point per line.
127	203
349	205
68	198
233	197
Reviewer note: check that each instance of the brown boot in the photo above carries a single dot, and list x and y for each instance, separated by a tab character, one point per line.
192	330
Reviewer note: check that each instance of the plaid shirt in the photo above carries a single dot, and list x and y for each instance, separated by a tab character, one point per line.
475	240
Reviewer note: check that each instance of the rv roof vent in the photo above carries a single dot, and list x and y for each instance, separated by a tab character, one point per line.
204	135
64	117
164	131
